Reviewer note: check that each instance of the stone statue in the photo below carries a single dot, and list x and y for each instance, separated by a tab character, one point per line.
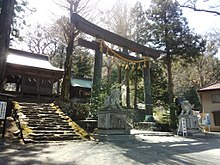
112	101
186	108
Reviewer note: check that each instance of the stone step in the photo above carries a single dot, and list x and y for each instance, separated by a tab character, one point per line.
36	104
54	124
40	111
46	123
51	115
43	116
29	110
52	128
31	107
37	132
56	138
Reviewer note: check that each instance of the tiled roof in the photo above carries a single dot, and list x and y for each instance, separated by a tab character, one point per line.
81	83
215	86
19	57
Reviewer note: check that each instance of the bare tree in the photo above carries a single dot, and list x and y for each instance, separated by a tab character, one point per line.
41	41
118	19
76	6
192	4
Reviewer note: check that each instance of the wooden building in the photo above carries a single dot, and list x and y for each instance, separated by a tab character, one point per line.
80	88
210	100
29	73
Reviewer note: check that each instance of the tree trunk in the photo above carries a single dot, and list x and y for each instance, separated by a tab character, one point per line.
5	29
68	63
170	91
67	70
170	78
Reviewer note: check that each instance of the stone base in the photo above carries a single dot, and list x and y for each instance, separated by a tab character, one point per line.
112	119
145	125
191	121
113	132
112	135
102	137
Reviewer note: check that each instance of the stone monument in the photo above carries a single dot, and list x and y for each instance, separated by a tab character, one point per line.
188	123
112	119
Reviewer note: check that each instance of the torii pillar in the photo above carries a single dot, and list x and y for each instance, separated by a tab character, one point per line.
97	75
147	89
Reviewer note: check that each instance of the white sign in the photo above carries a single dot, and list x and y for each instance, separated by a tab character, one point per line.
3	106
206	119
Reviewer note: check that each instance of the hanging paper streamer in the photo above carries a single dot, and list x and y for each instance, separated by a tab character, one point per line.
139	66
126	66
133	66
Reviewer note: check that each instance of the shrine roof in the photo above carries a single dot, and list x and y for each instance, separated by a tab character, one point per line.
23	58
215	86
84	83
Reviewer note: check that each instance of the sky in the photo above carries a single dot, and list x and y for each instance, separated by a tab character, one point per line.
199	21
47	11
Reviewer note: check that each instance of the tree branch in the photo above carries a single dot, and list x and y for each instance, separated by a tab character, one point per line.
200	10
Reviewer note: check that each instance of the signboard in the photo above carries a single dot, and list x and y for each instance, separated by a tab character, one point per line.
206	119
3	106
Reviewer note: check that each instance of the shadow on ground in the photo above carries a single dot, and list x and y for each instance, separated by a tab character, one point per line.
187	151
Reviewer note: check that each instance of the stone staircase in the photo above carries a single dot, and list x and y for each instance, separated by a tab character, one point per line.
42	122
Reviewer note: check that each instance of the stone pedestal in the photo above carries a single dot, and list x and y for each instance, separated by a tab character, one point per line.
191	124
191	121
111	119
112	125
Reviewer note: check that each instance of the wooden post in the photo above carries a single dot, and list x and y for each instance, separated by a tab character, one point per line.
147	89
135	87
38	81
119	74
127	71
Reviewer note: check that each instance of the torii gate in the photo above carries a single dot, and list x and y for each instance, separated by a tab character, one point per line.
104	35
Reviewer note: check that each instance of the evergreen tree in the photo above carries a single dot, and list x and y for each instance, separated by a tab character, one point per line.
168	30
137	23
82	64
